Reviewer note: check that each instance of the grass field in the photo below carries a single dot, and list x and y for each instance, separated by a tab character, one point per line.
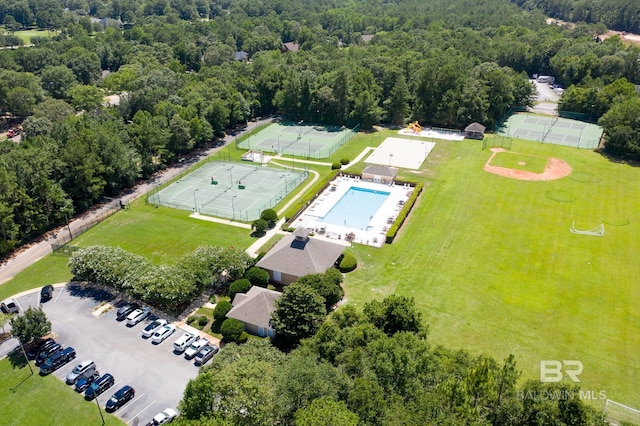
497	270
33	400
26	35
512	160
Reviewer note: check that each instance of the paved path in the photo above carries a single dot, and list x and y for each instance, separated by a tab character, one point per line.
30	254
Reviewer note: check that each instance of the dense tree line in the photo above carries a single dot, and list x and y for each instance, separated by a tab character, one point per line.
621	15
180	86
372	367
169	288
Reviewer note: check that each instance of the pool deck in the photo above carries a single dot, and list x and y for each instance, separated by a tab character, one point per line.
379	223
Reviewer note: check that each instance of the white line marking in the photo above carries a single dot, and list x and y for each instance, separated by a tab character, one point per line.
141	411
59	293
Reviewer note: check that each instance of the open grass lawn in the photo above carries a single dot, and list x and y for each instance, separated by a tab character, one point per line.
26	35
50	270
512	160
494	269
33	400
162	235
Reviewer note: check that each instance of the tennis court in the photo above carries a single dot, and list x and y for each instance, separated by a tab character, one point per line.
228	189
551	129
299	139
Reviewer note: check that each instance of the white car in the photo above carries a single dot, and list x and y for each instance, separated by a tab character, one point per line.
153	327
165	416
85	365
138	315
184	342
195	348
162	333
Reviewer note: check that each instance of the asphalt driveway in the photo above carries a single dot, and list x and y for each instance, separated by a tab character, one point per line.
157	374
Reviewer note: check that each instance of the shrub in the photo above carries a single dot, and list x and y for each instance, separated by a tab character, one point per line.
231	329
259	227
221	310
191	319
257	276
348	263
243	337
344	161
336	165
270	216
240	286
203	320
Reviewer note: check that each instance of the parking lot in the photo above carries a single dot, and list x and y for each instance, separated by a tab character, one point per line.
157	374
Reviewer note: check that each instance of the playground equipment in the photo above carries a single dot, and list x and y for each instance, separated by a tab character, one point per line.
415	127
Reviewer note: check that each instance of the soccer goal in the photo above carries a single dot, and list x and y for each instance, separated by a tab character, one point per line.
598	231
619	414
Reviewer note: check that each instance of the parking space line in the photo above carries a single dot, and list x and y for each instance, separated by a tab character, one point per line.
59	293
141	411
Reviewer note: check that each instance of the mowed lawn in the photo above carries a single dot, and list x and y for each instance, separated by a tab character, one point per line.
494	268
33	400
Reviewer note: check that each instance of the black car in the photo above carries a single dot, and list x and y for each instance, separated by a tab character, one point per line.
57	360
125	310
120	398
38	347
85	380
47	351
99	386
46	293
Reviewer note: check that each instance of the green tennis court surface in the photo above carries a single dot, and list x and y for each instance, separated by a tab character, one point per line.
231	190
297	139
554	130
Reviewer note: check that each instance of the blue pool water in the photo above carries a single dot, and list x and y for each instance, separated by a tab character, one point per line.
356	207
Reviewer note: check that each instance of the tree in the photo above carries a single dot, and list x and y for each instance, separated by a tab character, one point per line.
270	216
325	286
299	312
258	276
325	411
33	324
57	80
259	227
85	98
239	286
395	314
221	310
231	329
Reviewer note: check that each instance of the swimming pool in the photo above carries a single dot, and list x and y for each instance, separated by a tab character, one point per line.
356	208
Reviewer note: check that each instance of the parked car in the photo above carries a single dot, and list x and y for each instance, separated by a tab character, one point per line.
184	342
46	293
153	326
85	365
37	347
10	306
162	333
100	385
125	310
11	133
205	354
85	380
162	418
138	315
47	351
195	347
57	360
120	398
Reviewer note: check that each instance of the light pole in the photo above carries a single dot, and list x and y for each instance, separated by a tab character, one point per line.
278	144
97	403
233	207
390	156
309	148
286	184
68	226
231	177
195	204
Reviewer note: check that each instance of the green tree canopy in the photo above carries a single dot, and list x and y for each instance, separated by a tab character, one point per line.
33	324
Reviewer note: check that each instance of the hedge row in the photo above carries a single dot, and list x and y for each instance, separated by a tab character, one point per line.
393	229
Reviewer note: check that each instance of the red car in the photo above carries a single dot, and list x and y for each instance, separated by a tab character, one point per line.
11	133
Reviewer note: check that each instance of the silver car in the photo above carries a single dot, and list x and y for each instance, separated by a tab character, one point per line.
77	371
